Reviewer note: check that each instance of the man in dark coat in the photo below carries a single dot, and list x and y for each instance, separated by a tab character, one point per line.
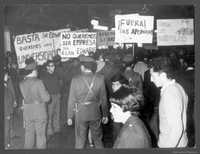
8	109
88	98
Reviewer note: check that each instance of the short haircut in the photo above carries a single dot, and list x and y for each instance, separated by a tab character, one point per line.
120	78
48	62
128	64
89	65
129	98
161	64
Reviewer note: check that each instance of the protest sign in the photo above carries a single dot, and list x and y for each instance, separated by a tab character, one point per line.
41	46
133	29
102	38
111	37
175	32
75	44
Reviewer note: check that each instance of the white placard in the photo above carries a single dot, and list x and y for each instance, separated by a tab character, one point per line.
75	44
175	32
133	29
41	46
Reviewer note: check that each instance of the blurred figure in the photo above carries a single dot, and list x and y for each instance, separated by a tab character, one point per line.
126	103
172	106
8	110
134	78
140	66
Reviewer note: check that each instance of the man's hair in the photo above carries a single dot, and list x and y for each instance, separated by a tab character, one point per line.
48	62
161	64
129	98
128	64
89	65
120	78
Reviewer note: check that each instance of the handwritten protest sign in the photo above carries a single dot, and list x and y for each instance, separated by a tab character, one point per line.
106	38
133	29
175	32
75	44
102	38
111	37
41	46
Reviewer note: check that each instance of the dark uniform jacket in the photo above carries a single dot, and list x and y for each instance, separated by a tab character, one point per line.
133	134
34	92
78	93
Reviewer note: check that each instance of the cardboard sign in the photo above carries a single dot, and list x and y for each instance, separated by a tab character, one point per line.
133	29
41	46
111	37
175	32
102	38
75	44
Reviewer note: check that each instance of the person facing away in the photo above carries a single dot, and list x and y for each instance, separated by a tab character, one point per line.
172	106
126	104
140	66
134	78
35	116
88	98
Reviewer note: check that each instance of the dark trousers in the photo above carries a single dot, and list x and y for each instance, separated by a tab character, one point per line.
7	126
82	131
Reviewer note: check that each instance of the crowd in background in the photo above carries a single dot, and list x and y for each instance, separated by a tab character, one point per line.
109	64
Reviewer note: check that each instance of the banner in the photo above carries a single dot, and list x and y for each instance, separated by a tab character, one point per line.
133	29
75	44
175	32
41	46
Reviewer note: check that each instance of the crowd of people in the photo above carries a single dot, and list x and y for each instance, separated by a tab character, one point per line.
145	101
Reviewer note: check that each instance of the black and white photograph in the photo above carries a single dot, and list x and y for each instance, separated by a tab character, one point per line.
100	76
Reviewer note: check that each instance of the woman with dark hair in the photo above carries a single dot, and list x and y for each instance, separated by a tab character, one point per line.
126	104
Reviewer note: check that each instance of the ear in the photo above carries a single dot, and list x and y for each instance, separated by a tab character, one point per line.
163	75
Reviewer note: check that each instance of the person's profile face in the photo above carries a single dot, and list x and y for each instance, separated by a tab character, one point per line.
155	78
116	85
117	112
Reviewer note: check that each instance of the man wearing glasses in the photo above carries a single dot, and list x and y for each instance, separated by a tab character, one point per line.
52	84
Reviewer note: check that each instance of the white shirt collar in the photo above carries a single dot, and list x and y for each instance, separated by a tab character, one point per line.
171	82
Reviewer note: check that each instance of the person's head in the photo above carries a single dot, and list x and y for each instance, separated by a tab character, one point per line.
50	66
118	80
31	69
6	75
160	70
128	100
87	63
128	61
57	59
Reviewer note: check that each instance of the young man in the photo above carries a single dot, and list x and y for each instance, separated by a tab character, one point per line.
52	84
87	94
172	106
126	104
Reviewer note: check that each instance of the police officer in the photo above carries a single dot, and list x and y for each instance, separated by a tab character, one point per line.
88	97
35	115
